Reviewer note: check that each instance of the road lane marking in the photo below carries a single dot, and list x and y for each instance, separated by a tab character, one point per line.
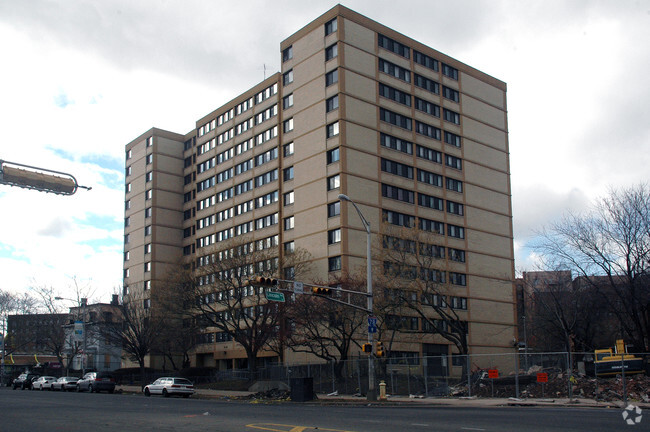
471	428
419	424
289	428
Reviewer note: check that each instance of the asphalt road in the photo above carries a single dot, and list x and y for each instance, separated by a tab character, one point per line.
47	411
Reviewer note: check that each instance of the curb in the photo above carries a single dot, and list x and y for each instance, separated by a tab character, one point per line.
244	397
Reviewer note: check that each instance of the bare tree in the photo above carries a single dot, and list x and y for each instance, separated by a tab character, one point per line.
609	248
25	303
51	336
137	328
13	303
178	337
7	303
223	300
329	329
416	284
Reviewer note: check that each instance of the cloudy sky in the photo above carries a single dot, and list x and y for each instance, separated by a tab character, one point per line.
80	79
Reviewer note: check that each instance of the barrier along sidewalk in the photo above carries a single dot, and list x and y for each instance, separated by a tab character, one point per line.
519	375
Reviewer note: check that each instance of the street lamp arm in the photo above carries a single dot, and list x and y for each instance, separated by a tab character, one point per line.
364	221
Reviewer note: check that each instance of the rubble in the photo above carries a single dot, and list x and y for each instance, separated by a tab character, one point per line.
270	395
602	389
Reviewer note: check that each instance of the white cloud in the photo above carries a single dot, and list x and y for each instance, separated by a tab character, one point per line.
83	78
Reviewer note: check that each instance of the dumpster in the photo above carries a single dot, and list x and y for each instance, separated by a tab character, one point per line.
302	389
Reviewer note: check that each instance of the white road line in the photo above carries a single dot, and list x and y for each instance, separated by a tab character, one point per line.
471	428
420	424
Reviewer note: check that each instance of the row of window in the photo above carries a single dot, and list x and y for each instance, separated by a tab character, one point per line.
239	109
245	249
424	200
411	272
423	59
427	154
420	81
236	170
408	221
424	176
206	338
421	128
239	209
266	266
425	249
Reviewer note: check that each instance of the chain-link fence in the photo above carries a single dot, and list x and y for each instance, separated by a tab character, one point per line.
518	375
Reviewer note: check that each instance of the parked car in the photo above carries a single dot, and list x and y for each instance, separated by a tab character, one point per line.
96	382
24	381
65	383
168	386
43	382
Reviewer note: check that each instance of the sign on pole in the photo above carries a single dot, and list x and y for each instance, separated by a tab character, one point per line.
275	296
372	324
78	331
298	288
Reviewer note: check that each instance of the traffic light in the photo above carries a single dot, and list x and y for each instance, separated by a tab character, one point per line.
263	281
321	291
380	349
366	347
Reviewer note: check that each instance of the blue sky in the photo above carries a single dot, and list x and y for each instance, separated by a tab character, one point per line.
87	77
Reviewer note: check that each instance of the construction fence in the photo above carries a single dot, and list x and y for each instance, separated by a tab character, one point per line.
517	375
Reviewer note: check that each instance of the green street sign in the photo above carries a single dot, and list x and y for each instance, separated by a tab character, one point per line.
275	296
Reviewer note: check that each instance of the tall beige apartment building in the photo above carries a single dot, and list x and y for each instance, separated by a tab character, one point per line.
413	136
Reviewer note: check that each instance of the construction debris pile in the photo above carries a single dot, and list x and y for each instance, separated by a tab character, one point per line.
270	395
560	384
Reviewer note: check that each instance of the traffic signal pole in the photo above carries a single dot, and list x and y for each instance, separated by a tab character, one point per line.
372	393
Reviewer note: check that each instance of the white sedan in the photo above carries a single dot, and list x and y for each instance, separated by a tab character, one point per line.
43	383
168	386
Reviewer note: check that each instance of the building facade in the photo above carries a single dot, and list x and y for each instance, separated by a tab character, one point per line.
86	344
411	135
35	334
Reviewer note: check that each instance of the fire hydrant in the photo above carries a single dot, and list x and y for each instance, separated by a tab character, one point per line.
382	391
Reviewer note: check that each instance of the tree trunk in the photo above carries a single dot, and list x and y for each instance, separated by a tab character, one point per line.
143	379
252	365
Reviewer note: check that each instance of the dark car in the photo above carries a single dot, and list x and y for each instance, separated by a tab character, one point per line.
24	381
96	382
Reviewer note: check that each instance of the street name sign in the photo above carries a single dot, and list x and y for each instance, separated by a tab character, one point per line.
275	296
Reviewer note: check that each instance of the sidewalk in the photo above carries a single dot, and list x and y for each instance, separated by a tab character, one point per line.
475	402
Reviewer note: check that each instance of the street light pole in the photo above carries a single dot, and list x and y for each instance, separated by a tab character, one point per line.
372	394
2	366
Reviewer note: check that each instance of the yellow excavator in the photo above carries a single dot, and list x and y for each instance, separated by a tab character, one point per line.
610	362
